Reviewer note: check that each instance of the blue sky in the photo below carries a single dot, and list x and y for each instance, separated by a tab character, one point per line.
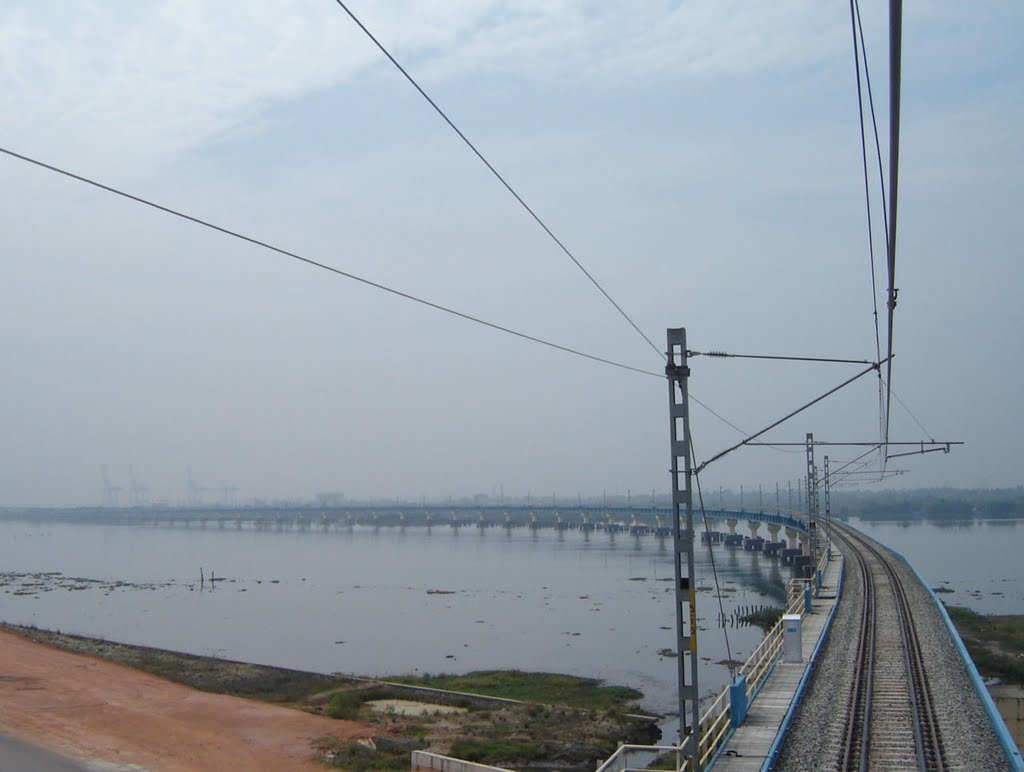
700	158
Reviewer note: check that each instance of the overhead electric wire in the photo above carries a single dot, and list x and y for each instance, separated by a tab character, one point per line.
726	355
711	555
322	266
853	477
561	245
854	16
719	416
876	477
451	311
789	415
889	202
843	472
895	70
874	125
738	429
903	404
346	274
871	443
872	472
376	285
714	572
497	174
839	469
867	184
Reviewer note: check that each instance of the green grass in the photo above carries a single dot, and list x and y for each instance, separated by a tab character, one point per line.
344	705
765	618
542	688
497	751
995	643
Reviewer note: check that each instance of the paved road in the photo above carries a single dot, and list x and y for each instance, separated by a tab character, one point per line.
18	756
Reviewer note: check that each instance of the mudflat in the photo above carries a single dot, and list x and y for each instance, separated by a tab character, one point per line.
92	710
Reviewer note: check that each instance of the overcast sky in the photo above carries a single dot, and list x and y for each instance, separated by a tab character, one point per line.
701	159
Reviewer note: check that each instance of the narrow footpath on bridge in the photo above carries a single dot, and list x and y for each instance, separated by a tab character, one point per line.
757	738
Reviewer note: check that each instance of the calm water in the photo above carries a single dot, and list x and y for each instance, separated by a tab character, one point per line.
387	601
980	560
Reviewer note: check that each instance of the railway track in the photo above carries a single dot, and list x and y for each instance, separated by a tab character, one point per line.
890	721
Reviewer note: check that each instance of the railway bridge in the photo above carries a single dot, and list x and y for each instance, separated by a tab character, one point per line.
760	526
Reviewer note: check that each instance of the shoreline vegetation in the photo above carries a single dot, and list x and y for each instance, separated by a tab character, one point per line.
503	718
766	617
935	505
995	643
509	718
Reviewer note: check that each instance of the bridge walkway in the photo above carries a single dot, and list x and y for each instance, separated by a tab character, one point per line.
751	743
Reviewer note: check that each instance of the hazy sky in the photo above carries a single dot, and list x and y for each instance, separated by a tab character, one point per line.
702	159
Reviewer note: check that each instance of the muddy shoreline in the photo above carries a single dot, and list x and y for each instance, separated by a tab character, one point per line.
487	727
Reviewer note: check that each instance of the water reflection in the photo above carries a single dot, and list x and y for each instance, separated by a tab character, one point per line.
976	562
402	599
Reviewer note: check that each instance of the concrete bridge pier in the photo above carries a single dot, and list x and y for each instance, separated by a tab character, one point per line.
753	525
773	532
791	537
731	524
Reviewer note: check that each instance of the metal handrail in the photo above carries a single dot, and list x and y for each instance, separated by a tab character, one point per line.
716	722
623	752
714	725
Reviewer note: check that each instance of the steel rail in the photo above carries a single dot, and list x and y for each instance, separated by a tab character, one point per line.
859	709
926	730
927	736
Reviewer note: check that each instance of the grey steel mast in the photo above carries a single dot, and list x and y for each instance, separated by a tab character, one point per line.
828	509
812	499
677	372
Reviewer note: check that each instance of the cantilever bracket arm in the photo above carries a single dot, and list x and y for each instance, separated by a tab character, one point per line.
943	447
871	367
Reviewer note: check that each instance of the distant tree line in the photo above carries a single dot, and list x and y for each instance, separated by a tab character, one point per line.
932	503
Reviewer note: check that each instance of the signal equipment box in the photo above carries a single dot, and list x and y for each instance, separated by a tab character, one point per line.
791	638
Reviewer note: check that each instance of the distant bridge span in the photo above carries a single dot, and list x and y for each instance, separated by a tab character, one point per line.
640	519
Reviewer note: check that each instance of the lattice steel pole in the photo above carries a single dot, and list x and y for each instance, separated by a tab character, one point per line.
812	499
828	510
678	373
